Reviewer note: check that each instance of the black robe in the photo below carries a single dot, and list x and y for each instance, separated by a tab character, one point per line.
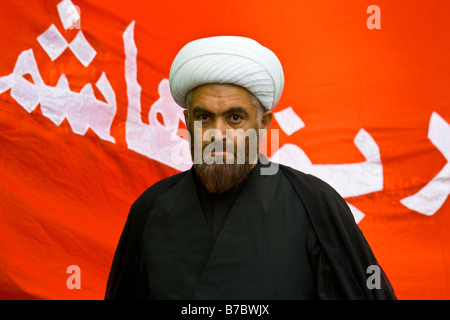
283	236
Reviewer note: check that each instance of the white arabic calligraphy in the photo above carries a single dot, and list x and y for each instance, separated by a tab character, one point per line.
350	179
432	196
154	140
82	110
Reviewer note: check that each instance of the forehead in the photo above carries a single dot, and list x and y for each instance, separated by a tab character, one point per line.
218	96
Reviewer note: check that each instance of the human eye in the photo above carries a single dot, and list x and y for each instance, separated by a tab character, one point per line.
203	117
235	118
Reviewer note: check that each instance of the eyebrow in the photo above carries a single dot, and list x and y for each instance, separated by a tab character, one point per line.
237	109
199	109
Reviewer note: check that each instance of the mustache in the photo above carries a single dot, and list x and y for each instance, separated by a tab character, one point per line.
235	153
220	145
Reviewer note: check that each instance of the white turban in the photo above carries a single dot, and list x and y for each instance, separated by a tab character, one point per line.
227	59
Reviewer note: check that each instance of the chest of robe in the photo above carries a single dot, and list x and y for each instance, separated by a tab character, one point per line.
261	251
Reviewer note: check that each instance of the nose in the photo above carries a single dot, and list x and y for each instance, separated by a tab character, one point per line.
222	126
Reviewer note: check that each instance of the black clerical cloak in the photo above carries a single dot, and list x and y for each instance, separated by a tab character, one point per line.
285	236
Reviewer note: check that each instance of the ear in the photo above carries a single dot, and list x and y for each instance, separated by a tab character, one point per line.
266	119
186	117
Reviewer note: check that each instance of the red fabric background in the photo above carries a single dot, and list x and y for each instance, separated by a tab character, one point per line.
64	197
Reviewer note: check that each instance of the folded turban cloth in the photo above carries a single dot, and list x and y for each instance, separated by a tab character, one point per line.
227	59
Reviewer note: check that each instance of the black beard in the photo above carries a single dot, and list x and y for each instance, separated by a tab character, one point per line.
219	178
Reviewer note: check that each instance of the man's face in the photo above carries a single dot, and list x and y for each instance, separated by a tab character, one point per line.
226	115
224	120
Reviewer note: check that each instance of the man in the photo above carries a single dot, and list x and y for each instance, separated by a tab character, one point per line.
233	226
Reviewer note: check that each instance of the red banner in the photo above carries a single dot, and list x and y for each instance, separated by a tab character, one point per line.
87	123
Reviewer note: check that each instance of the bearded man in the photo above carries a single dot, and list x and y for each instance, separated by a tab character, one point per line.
236	226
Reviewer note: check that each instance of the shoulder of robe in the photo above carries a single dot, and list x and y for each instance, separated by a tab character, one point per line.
325	196
315	185
149	196
343	243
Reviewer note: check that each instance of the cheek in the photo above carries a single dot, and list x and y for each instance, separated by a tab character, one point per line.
243	138
195	135
239	139
196	130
